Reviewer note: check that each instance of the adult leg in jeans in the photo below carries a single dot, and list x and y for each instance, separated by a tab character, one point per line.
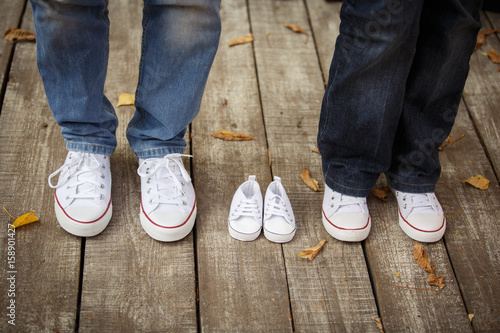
72	56
180	39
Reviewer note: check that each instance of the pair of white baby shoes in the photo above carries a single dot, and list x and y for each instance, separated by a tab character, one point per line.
247	216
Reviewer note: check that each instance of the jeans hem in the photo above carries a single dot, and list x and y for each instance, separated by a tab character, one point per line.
158	152
90	148
346	190
409	187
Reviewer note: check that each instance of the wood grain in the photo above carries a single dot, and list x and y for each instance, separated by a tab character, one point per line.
242	285
333	292
47	257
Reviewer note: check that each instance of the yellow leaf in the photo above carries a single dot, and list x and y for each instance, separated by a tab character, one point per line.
478	182
231	136
16	35
241	40
378	321
296	28
471	315
315	150
125	99
24	219
312	183
311	252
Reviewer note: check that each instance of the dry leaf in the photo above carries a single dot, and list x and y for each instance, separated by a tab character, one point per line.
241	40
448	141
312	183
479	182
311	252
125	99
422	260
381	192
482	34
23	219
378	321
315	150
494	56
471	315
296	28
16	35
231	136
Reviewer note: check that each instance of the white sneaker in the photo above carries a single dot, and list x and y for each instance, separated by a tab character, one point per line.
168	200
346	218
83	193
279	222
421	216
245	215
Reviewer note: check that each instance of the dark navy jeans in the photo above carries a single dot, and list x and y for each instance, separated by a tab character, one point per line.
179	42
394	87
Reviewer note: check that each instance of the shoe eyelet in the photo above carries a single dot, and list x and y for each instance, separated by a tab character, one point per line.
102	185
184	203
102	176
148	181
102	166
68	178
67	187
149	190
101	197
183	184
147	171
331	205
67	197
150	201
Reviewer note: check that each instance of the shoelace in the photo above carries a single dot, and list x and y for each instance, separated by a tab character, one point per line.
348	204
248	207
423	203
276	206
83	167
168	189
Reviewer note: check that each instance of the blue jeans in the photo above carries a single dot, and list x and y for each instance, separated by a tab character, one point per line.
395	83
179	42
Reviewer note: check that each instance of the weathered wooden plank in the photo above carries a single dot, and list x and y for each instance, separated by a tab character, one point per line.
242	285
47	258
333	292
10	16
131	282
482	94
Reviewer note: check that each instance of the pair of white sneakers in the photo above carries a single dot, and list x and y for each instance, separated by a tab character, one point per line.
249	213
347	218
83	196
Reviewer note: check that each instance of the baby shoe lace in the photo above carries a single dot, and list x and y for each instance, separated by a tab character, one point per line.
276	206
170	178
247	207
83	168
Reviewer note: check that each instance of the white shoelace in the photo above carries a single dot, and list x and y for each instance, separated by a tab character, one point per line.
421	203
348	204
170	178
276	206
247	207
83	167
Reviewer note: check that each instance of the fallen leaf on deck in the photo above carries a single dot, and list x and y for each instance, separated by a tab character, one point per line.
482	34
315	150
381	192
312	183
23	219
125	99
378	321
311	252
471	315
422	260
231	136
16	35
296	28
494	56
241	40
479	182
448	141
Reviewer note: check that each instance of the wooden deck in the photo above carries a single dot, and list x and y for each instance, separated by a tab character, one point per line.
124	281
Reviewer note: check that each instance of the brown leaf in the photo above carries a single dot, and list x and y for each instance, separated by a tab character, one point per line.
436	281
378	321
448	141
479	182
125	99
296	28
315	150
482	34
311	252
494	56
241	40
421	257
231	136
312	183
381	192
16	35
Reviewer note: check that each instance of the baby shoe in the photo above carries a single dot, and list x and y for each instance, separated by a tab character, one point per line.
279	222
245	216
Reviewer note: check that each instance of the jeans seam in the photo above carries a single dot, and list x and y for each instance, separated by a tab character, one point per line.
70	142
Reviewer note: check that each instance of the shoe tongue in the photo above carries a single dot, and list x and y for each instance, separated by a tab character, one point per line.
351	205
423	204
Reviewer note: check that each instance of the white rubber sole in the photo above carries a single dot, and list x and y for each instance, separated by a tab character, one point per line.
347	235
243	236
83	229
279	238
422	236
168	234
